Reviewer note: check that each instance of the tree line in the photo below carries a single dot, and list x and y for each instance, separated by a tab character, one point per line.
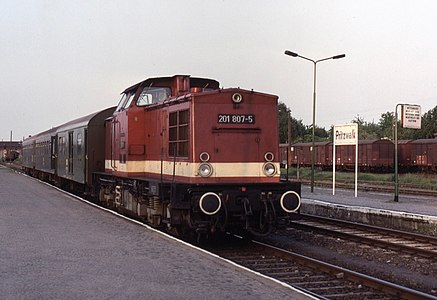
384	129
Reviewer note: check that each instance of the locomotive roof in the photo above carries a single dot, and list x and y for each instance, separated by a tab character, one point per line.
167	81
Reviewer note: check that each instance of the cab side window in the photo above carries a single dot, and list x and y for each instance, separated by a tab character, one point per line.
151	95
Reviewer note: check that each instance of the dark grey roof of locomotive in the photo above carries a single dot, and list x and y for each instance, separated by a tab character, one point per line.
194	81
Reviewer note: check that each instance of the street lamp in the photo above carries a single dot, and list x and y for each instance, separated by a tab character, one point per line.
313	151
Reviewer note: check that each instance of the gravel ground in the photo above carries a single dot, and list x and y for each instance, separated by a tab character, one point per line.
419	274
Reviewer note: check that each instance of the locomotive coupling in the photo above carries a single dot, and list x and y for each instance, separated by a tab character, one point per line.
210	203
290	201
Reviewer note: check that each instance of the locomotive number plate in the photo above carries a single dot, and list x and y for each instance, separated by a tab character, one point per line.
236	119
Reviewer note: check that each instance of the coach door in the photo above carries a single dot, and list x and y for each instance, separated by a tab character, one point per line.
70	152
53	152
86	160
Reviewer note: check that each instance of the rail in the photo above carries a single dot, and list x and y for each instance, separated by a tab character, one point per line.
318	278
403	242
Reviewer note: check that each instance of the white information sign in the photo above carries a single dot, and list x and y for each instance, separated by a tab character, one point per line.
346	134
411	116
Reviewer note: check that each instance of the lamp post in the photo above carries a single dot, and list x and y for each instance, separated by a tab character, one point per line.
313	154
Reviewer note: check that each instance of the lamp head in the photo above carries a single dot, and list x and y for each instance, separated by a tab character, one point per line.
287	52
339	56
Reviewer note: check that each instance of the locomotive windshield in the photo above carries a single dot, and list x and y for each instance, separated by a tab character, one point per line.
122	101
125	101
151	95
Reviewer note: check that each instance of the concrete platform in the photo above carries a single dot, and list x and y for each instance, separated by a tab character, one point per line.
54	246
411	213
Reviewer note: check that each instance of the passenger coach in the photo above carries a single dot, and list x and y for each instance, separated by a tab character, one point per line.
69	154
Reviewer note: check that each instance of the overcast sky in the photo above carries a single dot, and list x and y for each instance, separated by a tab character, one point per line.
60	60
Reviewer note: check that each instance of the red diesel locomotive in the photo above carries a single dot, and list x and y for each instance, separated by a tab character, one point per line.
181	153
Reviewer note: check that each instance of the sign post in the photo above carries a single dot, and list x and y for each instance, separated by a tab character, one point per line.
346	134
410	118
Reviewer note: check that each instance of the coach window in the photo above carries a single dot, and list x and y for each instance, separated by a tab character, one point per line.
79	143
61	145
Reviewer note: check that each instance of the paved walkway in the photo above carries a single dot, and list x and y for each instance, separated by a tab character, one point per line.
54	246
422	205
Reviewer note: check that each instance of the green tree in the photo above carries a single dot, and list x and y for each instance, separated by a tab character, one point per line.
366	130
428	127
283	114
386	125
297	127
429	124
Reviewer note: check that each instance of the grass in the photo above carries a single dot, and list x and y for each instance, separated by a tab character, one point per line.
426	181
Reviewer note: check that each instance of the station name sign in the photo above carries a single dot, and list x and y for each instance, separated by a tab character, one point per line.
346	134
411	116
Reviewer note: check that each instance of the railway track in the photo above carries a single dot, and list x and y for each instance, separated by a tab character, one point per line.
412	244
322	280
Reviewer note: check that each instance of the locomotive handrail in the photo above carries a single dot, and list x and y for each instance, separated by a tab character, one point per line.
113	140
107	180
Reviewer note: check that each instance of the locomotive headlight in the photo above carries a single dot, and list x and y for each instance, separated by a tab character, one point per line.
237	98
205	170
268	156
204	156
269	169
